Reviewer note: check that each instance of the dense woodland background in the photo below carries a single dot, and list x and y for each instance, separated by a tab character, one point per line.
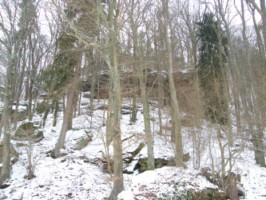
202	59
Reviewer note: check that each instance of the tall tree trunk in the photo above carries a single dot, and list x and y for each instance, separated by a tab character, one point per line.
146	114
115	116
257	140
18	91
253	95
135	90
6	166
118	184
263	16
33	68
261	9
30	99
133	117
177	137
160	85
115	101
93	64
56	109
70	104
160	99
92	92
66	121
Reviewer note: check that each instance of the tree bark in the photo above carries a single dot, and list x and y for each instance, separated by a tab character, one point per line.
71	88
6	165
56	109
177	136
115	100
146	115
257	140
66	121
252	94
138	58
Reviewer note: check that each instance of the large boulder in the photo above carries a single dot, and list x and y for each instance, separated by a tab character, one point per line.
28	131
141	164
206	194
174	183
20	115
78	139
83	141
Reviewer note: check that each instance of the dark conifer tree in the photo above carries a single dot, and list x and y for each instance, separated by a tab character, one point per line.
211	68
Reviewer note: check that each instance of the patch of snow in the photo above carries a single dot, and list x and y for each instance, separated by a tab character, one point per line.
166	182
74	176
126	195
253	178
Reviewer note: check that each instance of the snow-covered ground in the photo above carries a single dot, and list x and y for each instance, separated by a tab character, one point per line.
78	175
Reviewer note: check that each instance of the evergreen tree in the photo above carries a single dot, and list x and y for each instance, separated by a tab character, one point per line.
211	68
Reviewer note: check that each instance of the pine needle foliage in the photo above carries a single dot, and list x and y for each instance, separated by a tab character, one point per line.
211	68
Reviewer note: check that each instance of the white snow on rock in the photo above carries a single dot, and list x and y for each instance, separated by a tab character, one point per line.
166	182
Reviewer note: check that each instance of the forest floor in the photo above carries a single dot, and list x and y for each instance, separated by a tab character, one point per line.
79	175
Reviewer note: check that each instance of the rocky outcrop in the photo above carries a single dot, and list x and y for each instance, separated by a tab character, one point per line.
186	87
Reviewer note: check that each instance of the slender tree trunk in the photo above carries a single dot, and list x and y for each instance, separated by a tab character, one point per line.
133	117
75	105
109	135
263	16
30	100
134	96
146	114
233	69
110	119
160	100
135	79
92	94
33	68
93	80
177	137
160	86
252	94
1	126
79	103
27	86
72	108
56	109
18	91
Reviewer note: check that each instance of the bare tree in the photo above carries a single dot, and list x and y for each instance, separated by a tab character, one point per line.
261	9
72	58
115	98
9	46
176	135
138	55
252	95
